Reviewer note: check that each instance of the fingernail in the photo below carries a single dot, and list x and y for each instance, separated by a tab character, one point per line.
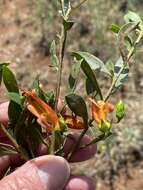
53	171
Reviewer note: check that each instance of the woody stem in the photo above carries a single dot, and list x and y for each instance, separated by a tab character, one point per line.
61	57
75	147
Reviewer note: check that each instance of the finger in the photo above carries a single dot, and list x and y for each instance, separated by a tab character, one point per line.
4	113
12	161
4	164
39	174
81	154
80	182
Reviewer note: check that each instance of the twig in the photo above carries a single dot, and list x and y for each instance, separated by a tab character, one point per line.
8	135
124	65
79	5
62	53
52	146
97	139
77	144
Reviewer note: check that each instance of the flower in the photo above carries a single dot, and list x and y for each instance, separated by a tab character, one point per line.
73	122
100	110
44	113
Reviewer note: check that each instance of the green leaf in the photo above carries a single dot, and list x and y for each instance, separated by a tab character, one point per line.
77	105
110	66
39	91
124	75
15	97
90	89
67	25
120	110
94	62
9	80
50	98
124	40
4	64
74	74
89	73
71	81
54	58
133	17
128	43
66	8
91	77
63	125
14	111
28	133
1	65
115	28
33	135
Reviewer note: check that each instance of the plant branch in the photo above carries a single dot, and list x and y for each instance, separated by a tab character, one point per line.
124	65
97	139
75	147
52	146
79	5
62	53
13	141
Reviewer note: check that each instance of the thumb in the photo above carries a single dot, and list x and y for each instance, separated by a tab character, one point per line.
43	173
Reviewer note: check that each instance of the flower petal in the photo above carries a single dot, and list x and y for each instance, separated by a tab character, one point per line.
73	122
41	110
100	110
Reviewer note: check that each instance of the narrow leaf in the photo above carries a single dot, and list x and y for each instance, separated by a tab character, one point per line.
9	80
91	77
54	58
94	62
15	97
77	105
115	28
124	75
67	25
133	17
89	87
66	8
74	74
14	111
1	65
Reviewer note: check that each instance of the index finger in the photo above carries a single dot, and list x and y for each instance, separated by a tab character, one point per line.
4	113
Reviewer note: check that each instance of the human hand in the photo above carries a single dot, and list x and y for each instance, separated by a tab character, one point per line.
45	172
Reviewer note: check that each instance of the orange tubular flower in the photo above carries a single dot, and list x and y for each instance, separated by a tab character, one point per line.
73	122
45	114
100	110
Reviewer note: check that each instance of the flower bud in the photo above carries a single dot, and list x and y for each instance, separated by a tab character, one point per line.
104	127
120	110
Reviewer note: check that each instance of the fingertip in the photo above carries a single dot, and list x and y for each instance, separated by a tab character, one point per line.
45	172
54	171
80	183
4	113
4	164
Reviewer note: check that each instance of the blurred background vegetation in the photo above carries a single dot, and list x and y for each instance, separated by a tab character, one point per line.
26	31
